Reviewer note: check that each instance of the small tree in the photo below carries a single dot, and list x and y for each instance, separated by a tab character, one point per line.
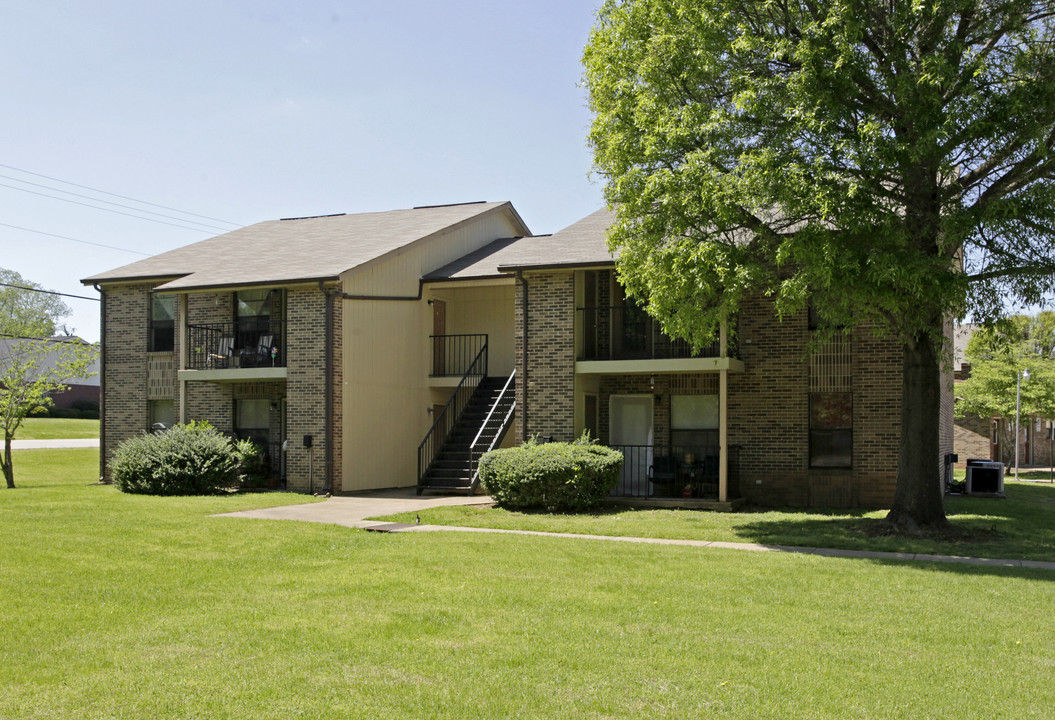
31	371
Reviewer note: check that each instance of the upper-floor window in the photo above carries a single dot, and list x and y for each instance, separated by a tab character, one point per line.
162	322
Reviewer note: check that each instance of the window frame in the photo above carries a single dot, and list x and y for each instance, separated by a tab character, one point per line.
833	430
157	326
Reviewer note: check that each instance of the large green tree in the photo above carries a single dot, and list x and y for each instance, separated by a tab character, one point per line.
26	310
888	160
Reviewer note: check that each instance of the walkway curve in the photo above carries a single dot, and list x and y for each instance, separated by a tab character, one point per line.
353	511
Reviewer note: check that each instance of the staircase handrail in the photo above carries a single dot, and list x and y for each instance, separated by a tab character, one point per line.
473	371
473	455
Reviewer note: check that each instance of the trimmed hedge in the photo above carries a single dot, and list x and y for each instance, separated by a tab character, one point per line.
559	477
191	459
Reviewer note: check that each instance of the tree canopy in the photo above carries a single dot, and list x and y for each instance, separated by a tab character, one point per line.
26	313
890	162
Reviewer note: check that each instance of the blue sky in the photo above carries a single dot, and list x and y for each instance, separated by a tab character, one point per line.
245	111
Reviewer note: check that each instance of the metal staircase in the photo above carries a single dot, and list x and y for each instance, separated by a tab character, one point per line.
480	426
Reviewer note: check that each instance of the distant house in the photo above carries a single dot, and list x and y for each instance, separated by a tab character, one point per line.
392	349
81	391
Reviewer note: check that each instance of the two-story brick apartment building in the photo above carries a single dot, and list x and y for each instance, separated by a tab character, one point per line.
309	335
385	349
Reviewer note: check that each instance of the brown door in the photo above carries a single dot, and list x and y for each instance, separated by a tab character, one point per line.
439	342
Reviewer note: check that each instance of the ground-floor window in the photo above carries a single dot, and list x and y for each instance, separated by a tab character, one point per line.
831	429
251	420
162	414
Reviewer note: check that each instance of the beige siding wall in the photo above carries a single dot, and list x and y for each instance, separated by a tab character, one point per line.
487	310
386	356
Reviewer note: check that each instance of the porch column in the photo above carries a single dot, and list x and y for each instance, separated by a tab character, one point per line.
181	360
723	416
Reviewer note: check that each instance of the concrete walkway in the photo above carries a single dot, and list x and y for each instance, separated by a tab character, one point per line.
354	511
54	444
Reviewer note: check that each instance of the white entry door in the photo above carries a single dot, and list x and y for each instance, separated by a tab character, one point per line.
630	429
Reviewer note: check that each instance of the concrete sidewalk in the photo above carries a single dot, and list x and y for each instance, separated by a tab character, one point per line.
354	511
54	444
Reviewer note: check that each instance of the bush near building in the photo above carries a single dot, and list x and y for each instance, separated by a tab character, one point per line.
561	477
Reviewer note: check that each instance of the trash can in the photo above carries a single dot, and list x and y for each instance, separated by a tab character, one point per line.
985	476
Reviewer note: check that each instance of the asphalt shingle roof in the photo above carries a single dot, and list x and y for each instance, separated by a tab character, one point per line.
581	244
298	250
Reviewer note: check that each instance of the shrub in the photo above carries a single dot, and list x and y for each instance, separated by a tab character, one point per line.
254	464
560	477
191	459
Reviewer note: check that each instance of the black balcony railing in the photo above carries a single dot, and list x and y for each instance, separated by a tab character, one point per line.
629	333
220	346
453	355
666	472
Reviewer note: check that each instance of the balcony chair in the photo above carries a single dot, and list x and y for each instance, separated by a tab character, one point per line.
260	356
224	353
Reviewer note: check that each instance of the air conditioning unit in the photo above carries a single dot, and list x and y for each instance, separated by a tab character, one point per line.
985	476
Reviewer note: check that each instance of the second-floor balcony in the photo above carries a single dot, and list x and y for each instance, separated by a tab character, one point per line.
232	345
629	333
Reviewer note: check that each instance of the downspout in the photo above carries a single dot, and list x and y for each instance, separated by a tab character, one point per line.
102	383
328	382
524	354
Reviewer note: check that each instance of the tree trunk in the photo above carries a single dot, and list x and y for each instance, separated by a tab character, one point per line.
9	471
918	497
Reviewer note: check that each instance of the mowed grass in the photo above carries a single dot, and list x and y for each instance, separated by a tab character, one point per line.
115	606
57	429
1021	527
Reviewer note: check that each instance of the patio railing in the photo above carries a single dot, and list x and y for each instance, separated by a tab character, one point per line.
628	333
220	346
675	472
453	355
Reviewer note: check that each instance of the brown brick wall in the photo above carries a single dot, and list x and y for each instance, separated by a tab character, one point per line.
305	387
551	354
768	403
971	438
124	407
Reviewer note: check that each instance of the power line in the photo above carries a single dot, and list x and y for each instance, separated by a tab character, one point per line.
89	197
49	292
62	339
96	207
123	197
86	242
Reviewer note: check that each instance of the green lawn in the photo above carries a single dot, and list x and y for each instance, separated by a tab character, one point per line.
115	606
57	429
1019	527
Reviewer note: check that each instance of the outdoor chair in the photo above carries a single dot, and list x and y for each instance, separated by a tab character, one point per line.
661	473
224	352
260	355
